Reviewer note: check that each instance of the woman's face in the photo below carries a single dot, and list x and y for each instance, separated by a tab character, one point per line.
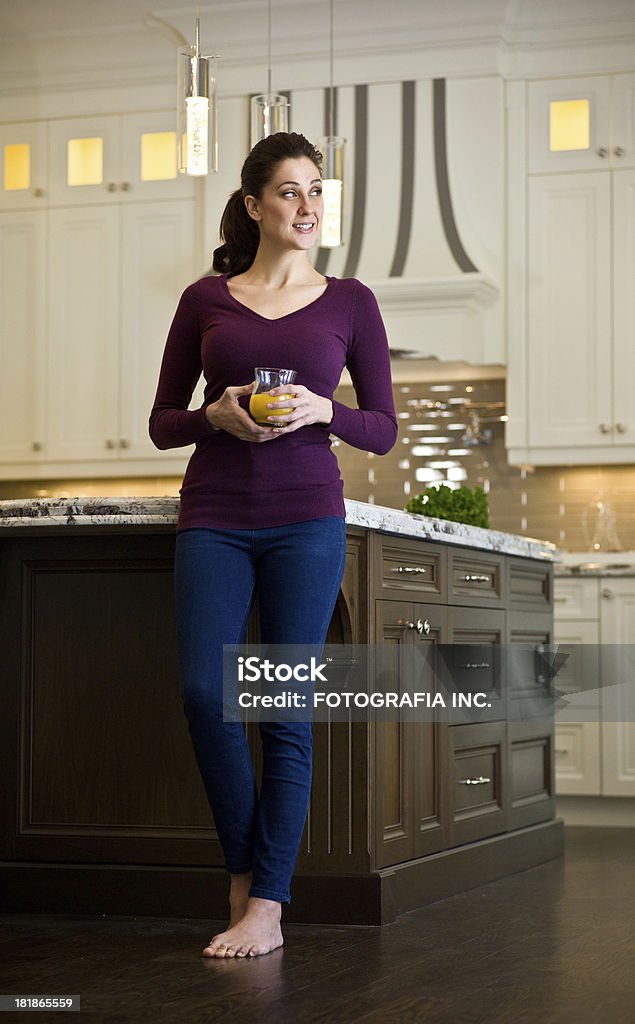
289	211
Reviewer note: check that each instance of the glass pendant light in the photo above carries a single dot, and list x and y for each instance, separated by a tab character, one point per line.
197	145
332	147
269	110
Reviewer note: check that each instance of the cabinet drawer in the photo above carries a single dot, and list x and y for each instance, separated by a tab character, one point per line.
577	758
576	598
474	659
529	584
477	781
475	578
410	565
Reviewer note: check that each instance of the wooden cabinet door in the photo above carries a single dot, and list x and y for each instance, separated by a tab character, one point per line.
623	121
569	313
22	337
23	166
409	754
570	124
83	325
617	626
85	161
157	263
624	306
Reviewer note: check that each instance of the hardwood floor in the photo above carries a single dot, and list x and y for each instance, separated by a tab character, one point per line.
551	945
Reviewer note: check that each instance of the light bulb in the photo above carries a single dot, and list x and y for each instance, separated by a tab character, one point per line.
332	217
197	120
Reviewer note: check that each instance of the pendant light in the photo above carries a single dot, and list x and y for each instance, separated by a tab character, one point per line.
332	148
269	110
197	145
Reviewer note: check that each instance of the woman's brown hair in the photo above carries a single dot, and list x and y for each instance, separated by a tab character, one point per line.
239	233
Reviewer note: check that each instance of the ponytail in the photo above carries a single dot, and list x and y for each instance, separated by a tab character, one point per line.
239	233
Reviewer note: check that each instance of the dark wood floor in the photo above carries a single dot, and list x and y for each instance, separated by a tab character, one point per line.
552	945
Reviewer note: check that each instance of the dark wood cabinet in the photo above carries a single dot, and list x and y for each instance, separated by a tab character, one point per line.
102	802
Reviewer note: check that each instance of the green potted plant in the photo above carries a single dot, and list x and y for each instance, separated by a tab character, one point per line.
460	505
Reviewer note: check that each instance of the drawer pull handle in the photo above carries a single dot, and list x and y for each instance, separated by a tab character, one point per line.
475	577
423	627
560	600
481	781
417	570
476	664
403	623
557	751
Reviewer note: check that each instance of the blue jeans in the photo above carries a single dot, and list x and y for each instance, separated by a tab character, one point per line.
296	571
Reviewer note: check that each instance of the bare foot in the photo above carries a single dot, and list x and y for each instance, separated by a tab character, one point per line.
257	932
238	897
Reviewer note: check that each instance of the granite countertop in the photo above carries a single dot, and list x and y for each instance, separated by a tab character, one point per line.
114	511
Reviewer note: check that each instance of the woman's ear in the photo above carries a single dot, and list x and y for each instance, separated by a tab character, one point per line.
253	208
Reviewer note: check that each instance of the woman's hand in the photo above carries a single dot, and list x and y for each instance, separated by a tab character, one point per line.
227	414
306	406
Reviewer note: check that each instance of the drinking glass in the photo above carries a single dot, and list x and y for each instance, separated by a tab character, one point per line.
268	377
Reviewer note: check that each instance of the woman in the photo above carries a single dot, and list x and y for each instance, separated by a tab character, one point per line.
262	509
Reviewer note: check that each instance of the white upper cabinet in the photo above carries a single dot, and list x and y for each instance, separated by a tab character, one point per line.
24	174
113	159
581	124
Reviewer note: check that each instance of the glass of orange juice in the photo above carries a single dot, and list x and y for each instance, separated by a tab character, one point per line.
268	377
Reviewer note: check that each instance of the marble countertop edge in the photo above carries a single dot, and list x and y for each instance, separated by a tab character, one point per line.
154	511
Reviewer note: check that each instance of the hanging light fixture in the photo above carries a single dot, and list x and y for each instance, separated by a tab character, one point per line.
332	148
197	145
269	110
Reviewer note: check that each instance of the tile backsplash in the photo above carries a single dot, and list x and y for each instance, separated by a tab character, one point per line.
448	432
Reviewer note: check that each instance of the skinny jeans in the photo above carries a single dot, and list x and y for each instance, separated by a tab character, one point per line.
296	571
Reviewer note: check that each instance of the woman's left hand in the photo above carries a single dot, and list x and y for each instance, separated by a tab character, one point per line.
306	406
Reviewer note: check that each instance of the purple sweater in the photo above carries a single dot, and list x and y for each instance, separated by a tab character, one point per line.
234	484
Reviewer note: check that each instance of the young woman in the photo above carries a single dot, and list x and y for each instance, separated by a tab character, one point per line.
262	510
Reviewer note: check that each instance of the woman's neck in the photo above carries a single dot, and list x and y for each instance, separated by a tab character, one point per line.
275	270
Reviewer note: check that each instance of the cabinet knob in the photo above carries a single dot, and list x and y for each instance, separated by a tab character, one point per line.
423	627
37	446
38	192
124	443
607	593
125	186
602	152
110	444
605	428
618	151
621	428
111	187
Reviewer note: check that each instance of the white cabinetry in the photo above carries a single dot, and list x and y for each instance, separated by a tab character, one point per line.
595	733
113	159
618	728
96	244
22	336
571	375
581	123
24	166
116	274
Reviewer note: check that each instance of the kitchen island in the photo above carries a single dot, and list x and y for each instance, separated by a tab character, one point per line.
102	807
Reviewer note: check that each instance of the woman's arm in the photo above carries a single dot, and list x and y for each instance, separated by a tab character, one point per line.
372	426
172	424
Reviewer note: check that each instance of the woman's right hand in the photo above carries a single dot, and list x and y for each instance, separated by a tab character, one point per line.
226	414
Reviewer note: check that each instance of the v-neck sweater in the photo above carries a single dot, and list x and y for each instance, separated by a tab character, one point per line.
234	484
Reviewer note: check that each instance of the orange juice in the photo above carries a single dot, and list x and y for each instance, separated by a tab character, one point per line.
258	407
